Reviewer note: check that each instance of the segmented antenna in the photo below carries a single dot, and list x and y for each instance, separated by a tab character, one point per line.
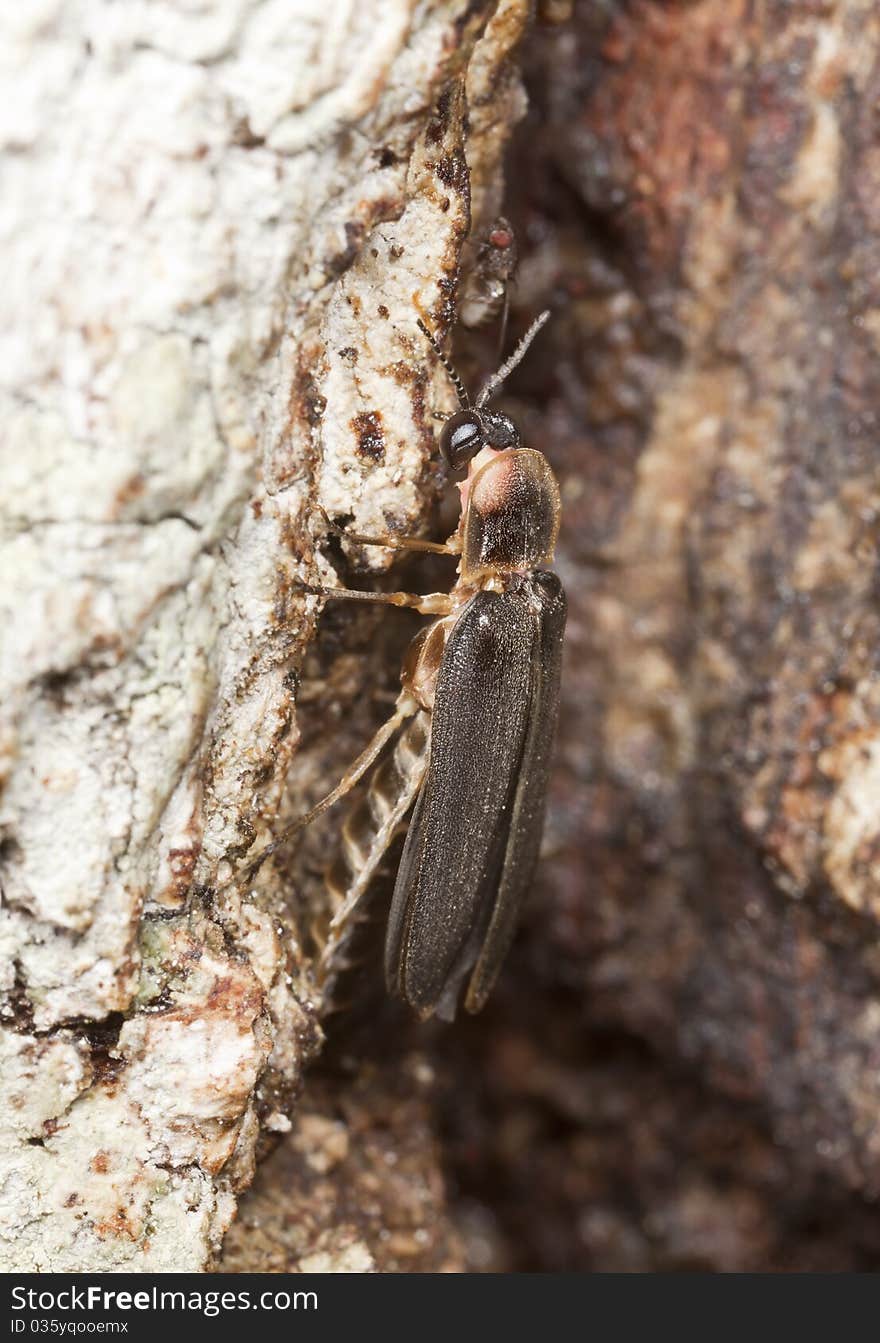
491	387
463	398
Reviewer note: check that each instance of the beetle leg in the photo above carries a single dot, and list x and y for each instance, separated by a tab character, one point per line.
406	707
432	604
394	542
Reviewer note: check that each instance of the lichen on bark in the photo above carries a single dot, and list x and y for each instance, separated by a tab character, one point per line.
220	227
212	338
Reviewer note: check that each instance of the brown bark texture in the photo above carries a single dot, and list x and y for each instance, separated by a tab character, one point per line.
696	195
679	1069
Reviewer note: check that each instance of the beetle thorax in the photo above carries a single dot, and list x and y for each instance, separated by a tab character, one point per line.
511	510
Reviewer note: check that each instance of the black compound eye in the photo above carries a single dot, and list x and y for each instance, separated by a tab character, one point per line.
461	438
499	431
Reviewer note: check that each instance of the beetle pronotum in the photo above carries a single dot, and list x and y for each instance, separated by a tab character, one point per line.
473	726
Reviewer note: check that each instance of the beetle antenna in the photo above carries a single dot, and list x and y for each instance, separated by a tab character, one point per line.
463	398
510	364
505	313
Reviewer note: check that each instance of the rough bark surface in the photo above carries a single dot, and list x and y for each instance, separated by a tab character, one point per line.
697	195
219	226
679	1069
680	1066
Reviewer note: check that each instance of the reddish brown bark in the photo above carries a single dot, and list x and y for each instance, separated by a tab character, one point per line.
700	195
680	1067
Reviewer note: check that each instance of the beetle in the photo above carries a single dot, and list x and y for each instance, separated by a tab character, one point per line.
473	726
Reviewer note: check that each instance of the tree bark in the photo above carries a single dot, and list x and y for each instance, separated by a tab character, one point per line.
214	333
220	229
679	1067
689	1045
724	156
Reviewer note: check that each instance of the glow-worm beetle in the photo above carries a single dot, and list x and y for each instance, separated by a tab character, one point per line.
473	726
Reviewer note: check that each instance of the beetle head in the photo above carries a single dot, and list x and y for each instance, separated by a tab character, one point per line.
469	430
474	427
